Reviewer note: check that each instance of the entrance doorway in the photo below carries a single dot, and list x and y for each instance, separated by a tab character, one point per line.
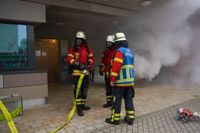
47	58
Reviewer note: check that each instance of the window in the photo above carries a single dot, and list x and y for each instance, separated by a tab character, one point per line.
14	47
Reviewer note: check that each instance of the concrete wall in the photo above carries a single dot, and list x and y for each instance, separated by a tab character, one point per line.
32	86
85	6
17	10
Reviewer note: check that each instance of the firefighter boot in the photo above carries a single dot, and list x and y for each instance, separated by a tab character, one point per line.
110	121
108	104
128	120
80	111
84	107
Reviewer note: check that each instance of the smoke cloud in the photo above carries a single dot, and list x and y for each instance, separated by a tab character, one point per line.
165	40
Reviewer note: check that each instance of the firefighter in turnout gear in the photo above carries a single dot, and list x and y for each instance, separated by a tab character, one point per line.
80	57
122	80
105	66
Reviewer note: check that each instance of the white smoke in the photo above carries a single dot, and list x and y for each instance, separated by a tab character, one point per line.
162	36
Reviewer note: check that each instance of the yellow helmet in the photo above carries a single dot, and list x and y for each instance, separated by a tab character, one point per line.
80	34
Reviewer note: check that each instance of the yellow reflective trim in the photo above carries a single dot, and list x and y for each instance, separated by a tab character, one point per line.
131	116
90	55
112	115
90	60
128	66
114	98
121	74
127	73
125	80
72	60
116	119
127	69
79	72
109	96
117	115
124	85
76	56
76	71
108	74
73	86
130	112
113	111
78	100
118	60
71	55
114	74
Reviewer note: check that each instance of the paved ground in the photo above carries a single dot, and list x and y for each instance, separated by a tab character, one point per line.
149	98
164	121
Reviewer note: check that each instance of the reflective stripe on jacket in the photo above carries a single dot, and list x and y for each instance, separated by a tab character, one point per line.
106	60
123	68
82	55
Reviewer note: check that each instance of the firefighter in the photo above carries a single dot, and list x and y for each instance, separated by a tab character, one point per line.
105	66
80	57
122	80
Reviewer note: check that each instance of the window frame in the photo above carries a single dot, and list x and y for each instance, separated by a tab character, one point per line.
30	49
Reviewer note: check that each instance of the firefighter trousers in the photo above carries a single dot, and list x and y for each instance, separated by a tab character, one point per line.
81	99
126	93
108	89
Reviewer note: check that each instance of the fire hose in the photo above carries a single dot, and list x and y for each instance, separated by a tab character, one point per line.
185	115
14	113
74	106
8	118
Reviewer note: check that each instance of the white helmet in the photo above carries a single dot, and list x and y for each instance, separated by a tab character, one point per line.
119	36
110	38
80	34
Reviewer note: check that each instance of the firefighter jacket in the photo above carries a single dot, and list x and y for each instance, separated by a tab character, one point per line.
106	60
122	72
83	55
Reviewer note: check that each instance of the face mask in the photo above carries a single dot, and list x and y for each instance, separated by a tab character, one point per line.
79	41
108	44
117	43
